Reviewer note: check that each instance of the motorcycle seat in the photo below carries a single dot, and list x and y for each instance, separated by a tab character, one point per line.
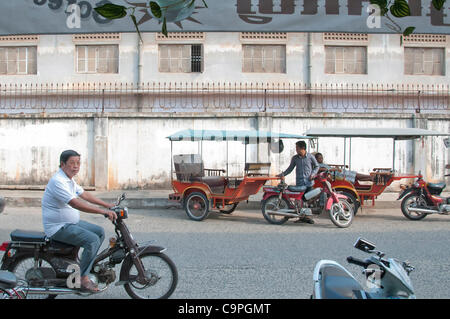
7	279
296	189
337	284
28	236
437	186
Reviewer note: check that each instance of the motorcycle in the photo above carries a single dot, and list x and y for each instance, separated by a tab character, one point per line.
385	278
283	202
422	199
51	268
10	286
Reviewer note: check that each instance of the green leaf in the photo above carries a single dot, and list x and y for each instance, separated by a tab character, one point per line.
136	26
191	4
438	4
380	3
155	9
408	31
111	11
164	27
400	9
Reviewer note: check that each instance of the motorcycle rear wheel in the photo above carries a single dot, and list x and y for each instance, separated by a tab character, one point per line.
161	272
341	214
408	201
22	264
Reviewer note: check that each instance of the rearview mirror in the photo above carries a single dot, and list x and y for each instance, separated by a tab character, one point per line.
120	199
364	245
2	204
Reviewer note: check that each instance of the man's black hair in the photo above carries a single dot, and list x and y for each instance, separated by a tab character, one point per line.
301	145
66	155
317	154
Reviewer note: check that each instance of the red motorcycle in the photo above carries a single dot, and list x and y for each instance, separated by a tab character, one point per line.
282	202
422	199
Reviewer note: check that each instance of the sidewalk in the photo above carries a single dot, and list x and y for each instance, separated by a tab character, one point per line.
145	199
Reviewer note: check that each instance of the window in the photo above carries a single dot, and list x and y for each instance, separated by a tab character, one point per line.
18	60
346	59
180	58
424	61
97	58
264	58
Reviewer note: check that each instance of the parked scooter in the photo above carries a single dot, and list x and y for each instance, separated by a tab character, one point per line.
385	278
282	202
51	268
422	199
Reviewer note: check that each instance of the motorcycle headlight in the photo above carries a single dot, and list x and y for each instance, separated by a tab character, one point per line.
122	213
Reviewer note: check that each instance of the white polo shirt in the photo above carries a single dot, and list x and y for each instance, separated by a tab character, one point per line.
56	212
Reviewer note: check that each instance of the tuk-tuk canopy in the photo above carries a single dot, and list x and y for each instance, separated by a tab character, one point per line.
254	136
395	133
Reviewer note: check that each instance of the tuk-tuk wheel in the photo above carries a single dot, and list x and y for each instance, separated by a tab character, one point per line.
351	200
228	208
196	206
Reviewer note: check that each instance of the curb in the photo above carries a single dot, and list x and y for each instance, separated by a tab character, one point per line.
164	203
132	203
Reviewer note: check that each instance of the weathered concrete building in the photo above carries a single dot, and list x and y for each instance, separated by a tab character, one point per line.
115	99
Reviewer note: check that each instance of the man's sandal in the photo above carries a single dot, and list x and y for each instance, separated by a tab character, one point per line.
89	287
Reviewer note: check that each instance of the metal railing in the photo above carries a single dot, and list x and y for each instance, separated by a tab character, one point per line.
223	97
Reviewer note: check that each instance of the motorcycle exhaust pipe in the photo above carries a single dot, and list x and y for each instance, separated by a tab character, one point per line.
49	291
282	213
423	210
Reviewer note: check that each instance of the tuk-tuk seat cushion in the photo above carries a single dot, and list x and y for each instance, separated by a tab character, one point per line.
215	183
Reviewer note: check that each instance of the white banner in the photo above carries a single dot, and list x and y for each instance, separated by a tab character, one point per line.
78	16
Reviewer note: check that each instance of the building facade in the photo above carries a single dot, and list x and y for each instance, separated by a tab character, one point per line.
116	98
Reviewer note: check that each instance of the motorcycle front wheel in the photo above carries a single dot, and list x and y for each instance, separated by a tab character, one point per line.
161	277
413	201
341	213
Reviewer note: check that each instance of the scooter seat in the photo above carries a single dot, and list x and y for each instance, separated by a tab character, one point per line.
28	236
296	189
337	284
7	279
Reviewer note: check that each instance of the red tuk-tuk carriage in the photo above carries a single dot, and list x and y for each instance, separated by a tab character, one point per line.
381	177
201	189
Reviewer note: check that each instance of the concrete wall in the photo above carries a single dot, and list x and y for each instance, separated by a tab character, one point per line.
132	151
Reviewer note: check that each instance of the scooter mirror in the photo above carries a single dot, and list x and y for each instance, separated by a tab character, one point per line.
2	204
364	245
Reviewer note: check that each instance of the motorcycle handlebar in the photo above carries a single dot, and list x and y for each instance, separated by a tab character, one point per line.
358	262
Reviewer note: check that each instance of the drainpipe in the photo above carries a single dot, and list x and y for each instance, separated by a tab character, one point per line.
308	71
139	74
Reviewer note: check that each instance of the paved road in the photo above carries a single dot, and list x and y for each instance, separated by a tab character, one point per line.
242	256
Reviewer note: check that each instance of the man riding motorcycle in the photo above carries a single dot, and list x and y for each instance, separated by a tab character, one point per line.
61	204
